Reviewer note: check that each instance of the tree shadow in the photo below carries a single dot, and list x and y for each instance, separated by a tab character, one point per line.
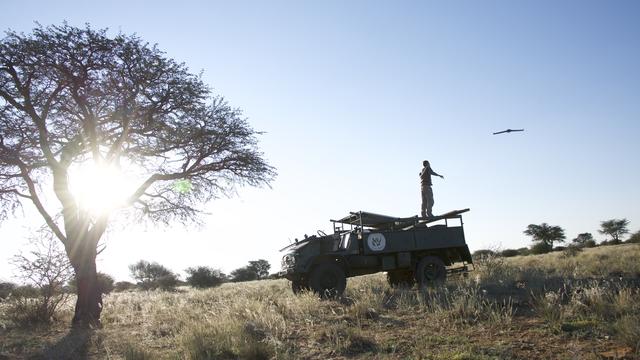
74	345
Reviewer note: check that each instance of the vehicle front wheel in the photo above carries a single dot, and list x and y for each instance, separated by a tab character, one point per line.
299	285
431	271
328	280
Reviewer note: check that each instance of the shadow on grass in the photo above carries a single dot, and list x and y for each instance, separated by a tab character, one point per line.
74	345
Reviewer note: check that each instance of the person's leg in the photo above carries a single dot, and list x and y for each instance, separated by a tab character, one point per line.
425	201
429	201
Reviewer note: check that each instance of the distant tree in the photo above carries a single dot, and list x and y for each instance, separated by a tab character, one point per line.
205	277
524	251
243	274
73	98
614	228
546	234
260	267
153	276
121	286
584	240
634	238
47	268
256	270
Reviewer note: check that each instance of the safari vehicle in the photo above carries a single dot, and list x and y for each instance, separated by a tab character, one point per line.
411	250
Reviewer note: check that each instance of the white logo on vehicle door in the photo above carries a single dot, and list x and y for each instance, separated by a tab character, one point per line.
376	242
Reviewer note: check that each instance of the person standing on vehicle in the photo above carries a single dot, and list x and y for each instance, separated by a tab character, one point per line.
427	192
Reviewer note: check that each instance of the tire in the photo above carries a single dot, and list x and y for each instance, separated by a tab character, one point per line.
299	285
328	280
401	278
431	272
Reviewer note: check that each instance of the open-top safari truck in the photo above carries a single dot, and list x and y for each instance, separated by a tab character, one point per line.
410	250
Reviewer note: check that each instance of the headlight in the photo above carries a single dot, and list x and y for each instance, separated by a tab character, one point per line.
288	261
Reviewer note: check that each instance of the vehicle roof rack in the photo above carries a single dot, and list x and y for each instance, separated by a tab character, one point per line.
382	222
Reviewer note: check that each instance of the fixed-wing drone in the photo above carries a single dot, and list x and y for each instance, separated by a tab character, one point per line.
507	131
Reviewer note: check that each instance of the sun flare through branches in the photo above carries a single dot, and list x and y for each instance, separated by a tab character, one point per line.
100	189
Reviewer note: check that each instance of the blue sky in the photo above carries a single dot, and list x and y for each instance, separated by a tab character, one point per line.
353	95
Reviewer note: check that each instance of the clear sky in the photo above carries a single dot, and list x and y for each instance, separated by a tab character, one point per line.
353	95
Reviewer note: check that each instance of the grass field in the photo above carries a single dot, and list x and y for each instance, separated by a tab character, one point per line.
536	307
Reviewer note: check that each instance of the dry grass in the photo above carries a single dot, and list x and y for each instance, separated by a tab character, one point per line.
515	308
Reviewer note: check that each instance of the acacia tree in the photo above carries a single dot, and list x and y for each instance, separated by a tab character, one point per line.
584	240
71	96
545	234
614	228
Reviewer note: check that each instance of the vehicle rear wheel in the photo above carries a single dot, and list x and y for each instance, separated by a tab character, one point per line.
401	278
328	280
299	285
431	271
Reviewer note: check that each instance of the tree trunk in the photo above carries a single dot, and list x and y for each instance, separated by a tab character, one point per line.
89	302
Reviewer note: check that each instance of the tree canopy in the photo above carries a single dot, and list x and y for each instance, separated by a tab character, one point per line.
255	270
545	233
74	98
614	228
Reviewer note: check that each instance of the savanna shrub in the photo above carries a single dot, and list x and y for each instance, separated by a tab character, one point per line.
105	283
509	253
5	289
153	276
540	248
571	251
205	277
121	286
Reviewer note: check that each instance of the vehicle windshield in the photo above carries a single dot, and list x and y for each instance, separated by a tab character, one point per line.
345	240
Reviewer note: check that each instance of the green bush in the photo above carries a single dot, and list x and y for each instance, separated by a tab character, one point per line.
540	248
205	277
509	253
571	251
25	292
634	238
153	276
5	289
105	283
121	286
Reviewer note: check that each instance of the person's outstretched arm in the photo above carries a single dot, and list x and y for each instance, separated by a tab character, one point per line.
436	174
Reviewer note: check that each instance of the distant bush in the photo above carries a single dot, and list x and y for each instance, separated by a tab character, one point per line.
509	253
205	277
105	283
524	251
584	240
5	289
256	270
634	238
25	292
571	251
243	274
121	286
153	276
540	248
478	254
559	248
